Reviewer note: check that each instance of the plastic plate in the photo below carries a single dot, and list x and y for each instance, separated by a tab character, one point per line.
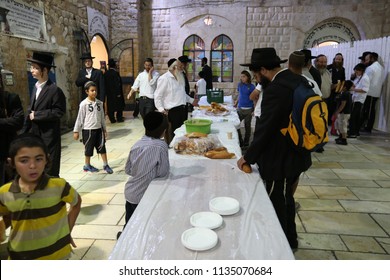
224	205
199	239
209	220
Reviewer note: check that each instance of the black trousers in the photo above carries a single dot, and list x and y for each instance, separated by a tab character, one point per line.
130	208
369	112
176	117
146	105
281	195
355	120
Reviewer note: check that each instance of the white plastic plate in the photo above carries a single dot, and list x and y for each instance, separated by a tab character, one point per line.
224	205
199	239
209	220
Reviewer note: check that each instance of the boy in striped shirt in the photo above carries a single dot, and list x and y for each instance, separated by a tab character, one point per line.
37	204
147	160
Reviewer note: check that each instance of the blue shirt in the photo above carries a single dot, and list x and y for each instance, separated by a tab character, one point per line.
244	90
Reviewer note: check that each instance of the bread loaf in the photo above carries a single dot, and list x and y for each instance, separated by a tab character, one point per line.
246	168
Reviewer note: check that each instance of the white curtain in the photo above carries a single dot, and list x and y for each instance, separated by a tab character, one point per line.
351	53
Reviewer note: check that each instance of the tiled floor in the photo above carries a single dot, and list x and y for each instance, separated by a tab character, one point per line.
344	197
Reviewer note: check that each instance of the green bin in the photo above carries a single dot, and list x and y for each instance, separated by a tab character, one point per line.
214	95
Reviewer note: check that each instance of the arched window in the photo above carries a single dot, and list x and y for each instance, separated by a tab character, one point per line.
194	48
222	57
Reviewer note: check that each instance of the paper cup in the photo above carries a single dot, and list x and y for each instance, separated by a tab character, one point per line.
230	135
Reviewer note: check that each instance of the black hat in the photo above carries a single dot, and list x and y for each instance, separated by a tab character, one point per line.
184	59
375	55
307	54
153	120
111	62
87	55
364	55
172	60
264	57
42	59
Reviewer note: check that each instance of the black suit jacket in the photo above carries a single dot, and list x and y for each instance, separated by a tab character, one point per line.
208	76
97	78
48	110
276	157
114	92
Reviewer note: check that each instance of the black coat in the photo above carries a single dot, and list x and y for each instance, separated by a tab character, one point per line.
97	78
276	157
208	76
48	110
316	76
11	120
114	92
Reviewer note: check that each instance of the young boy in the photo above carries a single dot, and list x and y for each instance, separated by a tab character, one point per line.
90	120
41	224
148	159
200	86
343	112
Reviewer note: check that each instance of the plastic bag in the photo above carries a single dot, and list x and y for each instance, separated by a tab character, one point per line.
196	146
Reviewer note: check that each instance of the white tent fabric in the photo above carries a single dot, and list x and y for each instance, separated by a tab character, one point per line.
351	52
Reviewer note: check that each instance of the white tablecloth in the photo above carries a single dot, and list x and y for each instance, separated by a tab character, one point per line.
155	229
227	99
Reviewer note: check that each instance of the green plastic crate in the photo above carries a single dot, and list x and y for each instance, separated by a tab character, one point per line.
215	96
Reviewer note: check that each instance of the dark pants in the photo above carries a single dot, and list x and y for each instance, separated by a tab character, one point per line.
281	195
176	117
2	172
246	115
113	118
136	108
369	112
355	119
331	103
130	208
146	105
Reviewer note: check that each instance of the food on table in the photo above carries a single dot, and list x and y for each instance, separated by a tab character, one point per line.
217	109
246	168
196	135
219	153
195	146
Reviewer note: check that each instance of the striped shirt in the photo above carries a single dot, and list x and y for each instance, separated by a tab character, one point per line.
39	220
90	116
148	159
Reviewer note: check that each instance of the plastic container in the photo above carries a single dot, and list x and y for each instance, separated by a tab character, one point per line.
215	96
198	125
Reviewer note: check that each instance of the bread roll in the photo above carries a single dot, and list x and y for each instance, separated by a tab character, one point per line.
246	168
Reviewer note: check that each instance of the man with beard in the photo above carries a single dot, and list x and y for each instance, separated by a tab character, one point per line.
321	62
375	72
337	71
170	97
280	164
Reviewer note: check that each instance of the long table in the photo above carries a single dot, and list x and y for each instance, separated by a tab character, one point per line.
155	229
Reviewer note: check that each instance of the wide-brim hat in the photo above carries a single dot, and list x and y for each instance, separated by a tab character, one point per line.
184	59
364	55
111	62
307	54
42	59
172	60
86	55
264	57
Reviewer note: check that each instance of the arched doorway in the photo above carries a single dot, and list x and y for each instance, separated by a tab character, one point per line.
337	30
99	51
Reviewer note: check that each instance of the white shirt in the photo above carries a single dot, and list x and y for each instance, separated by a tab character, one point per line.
361	82
90	116
201	87
326	83
257	111
39	88
170	93
146	87
375	73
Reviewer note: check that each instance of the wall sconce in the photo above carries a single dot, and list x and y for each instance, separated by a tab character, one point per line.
208	21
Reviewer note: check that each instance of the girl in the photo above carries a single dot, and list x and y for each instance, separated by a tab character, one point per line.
40	222
245	106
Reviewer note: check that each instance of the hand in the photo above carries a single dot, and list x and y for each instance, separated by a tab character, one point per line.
196	102
165	112
88	76
151	70
129	95
31	115
241	162
105	135
75	135
72	243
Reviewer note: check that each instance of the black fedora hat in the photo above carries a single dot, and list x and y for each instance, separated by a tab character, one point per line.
112	62
264	57
184	59
307	54
172	60
42	59
86	55
364	55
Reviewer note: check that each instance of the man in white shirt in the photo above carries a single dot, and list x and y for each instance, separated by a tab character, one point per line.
375	72
321	62
145	83
170	97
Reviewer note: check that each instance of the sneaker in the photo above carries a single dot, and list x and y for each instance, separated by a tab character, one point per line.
108	169
342	142
90	168
352	136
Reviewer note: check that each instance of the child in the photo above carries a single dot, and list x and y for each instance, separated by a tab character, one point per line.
90	120
40	222
200	86
343	112
148	159
245	106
